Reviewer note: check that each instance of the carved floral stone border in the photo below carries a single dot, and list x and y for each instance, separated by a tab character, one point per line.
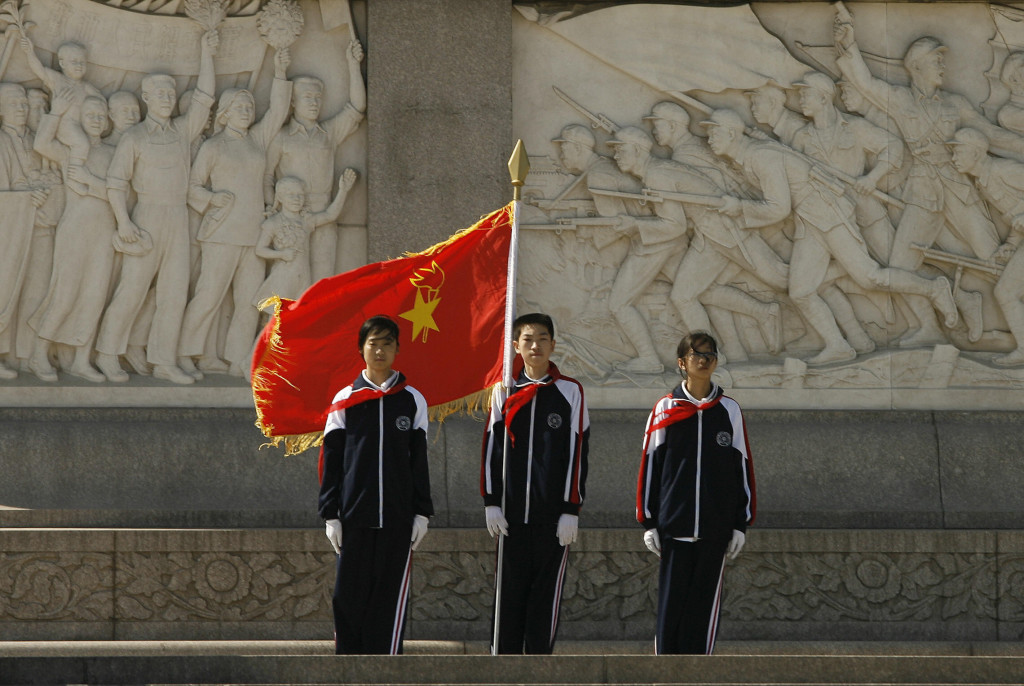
610	588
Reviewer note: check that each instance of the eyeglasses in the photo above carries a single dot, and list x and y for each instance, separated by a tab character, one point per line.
707	357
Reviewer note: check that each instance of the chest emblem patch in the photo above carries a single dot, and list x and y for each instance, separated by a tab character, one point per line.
554	420
403	423
723	438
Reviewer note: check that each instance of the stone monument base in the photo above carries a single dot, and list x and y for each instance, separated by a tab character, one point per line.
274	584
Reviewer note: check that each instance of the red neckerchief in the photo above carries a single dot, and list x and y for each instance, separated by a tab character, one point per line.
360	395
681	409
524	394
365	394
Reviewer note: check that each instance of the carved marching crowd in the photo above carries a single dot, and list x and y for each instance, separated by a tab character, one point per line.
155	239
907	197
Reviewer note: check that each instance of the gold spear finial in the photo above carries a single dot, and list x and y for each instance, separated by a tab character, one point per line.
518	168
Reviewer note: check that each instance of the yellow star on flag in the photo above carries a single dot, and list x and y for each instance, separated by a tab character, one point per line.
422	316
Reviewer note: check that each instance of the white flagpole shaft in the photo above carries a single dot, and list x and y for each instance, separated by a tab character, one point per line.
510	294
508	381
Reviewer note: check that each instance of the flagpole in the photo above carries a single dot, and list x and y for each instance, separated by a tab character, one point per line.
518	168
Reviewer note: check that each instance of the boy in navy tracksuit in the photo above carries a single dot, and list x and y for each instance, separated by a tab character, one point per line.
549	428
374	489
695	497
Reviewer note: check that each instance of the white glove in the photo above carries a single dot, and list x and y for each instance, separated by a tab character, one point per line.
653	541
568	525
496	522
736	544
334	534
419	530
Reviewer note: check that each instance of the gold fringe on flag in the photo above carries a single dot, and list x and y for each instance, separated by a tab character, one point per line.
468	405
455	236
261	382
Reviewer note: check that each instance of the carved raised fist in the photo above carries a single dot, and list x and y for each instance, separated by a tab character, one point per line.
211	39
355	51
282	59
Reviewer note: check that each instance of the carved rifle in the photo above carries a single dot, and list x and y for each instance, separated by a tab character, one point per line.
597	121
989	267
651	195
602	239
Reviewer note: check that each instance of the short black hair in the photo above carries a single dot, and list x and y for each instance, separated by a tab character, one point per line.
381	323
693	339
535	318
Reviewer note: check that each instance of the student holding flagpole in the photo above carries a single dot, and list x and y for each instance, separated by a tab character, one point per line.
533	484
695	498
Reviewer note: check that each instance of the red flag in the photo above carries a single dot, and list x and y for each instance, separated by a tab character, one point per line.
448	300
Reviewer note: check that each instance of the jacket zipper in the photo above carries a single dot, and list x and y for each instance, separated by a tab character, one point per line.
529	461
380	464
696	501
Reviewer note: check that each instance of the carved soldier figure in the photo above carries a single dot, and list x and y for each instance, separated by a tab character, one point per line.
867	154
670	124
768	105
853	146
936	194
825	229
658	239
716	253
153	159
662	238
305	149
577	155
1011	115
1001	183
855	103
227	185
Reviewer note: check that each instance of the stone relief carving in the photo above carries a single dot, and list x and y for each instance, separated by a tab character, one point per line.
867	587
56	586
842	217
133	216
223	586
617	588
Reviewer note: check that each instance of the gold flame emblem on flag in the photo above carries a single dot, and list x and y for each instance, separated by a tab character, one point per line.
428	282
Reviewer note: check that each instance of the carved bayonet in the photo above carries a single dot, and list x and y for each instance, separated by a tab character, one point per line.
597	121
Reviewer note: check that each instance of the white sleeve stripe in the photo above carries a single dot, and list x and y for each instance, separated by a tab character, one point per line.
656	439
497	401
574	395
336	419
739	441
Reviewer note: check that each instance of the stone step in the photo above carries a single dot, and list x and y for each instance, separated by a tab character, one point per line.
20	649
457	662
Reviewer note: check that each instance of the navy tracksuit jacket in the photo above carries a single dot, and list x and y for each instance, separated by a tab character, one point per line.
546	478
696	483
375	480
